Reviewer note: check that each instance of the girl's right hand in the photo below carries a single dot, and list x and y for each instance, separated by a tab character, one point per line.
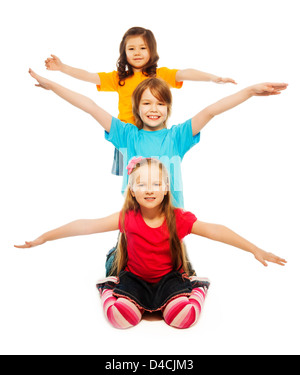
37	242
42	82
53	63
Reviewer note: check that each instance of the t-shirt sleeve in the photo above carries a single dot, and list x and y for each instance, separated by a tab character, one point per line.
182	135
169	75
120	133
108	81
184	222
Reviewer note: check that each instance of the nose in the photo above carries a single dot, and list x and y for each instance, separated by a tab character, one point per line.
153	107
149	190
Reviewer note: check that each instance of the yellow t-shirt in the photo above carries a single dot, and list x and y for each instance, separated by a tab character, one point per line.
110	82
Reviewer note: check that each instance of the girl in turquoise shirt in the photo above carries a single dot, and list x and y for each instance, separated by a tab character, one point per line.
152	103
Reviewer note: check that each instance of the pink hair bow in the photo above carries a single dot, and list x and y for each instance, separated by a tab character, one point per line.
133	162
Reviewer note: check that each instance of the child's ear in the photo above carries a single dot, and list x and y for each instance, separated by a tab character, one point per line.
132	193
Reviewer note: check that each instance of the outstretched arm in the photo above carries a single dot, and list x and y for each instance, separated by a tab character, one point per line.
197	75
54	63
223	234
223	105
78	100
76	228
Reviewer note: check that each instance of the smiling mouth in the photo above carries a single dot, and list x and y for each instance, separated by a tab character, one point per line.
153	117
150	199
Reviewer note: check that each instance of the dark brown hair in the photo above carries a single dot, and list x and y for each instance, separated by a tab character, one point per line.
159	89
124	69
178	252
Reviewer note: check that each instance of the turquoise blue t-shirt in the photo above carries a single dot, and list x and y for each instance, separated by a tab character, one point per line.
167	145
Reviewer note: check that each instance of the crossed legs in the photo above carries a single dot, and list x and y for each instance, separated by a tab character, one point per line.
181	312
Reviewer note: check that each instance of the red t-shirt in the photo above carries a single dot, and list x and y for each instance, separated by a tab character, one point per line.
149	255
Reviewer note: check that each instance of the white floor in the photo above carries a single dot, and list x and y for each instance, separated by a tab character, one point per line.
51	306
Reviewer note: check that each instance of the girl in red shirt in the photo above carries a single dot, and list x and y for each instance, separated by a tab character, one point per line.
151	263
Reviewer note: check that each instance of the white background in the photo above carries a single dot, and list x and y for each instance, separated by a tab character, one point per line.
55	168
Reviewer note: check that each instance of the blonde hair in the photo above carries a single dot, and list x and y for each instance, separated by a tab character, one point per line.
159	89
178	252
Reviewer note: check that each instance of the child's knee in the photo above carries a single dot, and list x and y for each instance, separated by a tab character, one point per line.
181	313
123	314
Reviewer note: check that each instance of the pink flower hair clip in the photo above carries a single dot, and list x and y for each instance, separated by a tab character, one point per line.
133	162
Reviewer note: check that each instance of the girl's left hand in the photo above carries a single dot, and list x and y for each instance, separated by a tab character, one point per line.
266	89
264	257
225	80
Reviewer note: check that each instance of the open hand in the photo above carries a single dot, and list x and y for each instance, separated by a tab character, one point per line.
265	89
42	82
53	63
27	245
225	80
264	257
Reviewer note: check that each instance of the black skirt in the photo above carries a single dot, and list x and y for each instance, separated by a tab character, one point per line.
152	297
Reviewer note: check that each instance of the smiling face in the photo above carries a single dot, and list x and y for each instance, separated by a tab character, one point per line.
149	186
153	112
137	52
152	104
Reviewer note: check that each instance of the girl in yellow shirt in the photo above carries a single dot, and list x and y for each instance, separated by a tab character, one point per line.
137	62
